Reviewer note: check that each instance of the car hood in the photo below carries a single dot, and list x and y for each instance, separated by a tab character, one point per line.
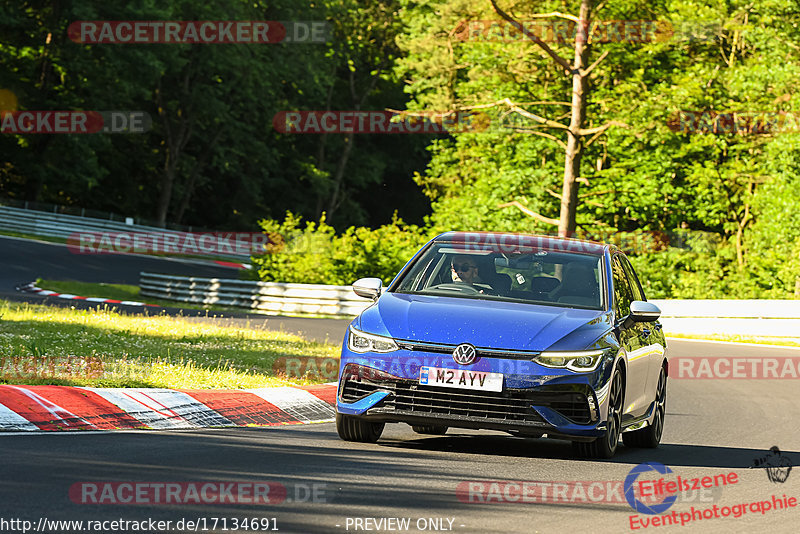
483	323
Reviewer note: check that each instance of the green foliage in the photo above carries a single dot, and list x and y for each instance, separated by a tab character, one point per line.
212	158
729	201
313	253
738	190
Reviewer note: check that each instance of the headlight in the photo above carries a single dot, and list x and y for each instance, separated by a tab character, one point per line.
580	361
360	342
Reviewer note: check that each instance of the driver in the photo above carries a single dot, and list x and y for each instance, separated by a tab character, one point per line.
464	269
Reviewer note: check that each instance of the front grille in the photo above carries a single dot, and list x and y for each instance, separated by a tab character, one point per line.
511	405
439	348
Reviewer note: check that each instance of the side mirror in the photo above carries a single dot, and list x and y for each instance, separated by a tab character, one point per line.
641	312
644	312
369	288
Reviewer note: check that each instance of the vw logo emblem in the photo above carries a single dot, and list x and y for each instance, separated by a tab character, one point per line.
464	354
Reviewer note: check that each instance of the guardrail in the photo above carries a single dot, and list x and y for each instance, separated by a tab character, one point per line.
268	297
59	225
47	207
759	318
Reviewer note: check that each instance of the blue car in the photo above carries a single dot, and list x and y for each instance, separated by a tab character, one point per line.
532	335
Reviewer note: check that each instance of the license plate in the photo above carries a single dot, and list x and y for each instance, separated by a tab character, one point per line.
460	379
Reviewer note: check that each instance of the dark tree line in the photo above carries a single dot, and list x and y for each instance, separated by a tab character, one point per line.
212	158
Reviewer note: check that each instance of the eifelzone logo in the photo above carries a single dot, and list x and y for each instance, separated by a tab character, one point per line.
630	489
464	354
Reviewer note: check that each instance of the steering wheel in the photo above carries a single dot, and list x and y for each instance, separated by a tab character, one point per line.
464	287
460	286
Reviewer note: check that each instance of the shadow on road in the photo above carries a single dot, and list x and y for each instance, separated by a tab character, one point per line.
666	453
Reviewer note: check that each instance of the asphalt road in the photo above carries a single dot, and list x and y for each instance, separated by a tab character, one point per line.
22	261
712	427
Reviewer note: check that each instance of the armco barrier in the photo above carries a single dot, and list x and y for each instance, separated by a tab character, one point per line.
760	318
59	225
757	318
268	297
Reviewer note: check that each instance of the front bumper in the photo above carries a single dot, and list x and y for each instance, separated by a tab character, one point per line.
564	406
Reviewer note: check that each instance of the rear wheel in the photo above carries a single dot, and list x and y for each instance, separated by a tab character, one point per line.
433	430
351	428
650	436
605	446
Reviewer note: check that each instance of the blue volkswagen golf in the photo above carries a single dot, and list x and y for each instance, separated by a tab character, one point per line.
532	335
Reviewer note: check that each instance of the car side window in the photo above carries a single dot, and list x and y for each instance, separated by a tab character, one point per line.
636	286
622	290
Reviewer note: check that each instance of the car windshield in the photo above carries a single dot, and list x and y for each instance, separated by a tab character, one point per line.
565	279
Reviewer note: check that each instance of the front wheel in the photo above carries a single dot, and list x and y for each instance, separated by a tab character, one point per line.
351	428
650	436
605	446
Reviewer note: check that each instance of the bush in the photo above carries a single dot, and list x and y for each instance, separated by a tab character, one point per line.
700	265
312	253
696	265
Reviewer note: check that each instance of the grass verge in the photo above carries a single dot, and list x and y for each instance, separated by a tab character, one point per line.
89	289
106	348
120	292
32	237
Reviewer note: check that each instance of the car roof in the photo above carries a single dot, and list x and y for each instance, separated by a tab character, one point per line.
510	242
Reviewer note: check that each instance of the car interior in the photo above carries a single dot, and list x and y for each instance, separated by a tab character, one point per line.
551	277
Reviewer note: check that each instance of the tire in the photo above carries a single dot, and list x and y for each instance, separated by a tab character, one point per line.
650	436
606	445
351	428
433	430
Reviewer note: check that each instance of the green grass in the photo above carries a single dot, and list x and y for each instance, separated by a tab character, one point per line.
89	289
105	348
740	339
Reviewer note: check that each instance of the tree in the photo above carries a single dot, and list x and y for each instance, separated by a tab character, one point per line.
211	158
579	71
